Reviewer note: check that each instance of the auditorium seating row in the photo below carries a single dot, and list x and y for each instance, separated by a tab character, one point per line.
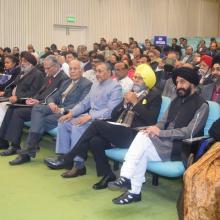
192	41
168	169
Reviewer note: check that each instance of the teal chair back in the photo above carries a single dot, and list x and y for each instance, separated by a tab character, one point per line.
214	114
164	106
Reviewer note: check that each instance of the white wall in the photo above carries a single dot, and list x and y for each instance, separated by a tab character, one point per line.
31	21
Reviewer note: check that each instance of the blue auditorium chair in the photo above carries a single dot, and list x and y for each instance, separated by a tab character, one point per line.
168	169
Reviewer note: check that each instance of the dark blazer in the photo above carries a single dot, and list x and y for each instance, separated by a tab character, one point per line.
189	60
78	94
212	53
87	67
146	110
48	89
28	85
207	90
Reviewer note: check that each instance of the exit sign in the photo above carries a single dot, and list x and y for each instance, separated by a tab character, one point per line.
71	19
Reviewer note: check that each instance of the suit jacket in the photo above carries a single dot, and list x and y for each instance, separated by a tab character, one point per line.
88	66
27	85
48	89
189	59
81	90
146	110
101	100
207	90
212	53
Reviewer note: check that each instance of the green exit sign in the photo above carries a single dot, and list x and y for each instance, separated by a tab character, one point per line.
71	19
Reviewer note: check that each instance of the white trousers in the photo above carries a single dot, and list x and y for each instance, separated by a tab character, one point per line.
134	167
3	109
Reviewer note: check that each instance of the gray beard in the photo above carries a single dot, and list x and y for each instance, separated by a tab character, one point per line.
26	69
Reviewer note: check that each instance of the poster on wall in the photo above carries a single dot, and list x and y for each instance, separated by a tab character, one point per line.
160	40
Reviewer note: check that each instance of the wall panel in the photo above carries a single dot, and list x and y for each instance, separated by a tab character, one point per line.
31	21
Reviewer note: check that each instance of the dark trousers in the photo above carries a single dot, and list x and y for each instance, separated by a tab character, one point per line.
13	123
98	137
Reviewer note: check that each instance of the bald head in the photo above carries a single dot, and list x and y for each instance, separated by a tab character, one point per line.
75	70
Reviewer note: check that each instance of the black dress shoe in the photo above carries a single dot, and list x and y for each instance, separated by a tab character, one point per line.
54	159
20	159
57	164
74	172
103	183
10	151
31	152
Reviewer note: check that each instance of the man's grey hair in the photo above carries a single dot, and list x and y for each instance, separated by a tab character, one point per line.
53	59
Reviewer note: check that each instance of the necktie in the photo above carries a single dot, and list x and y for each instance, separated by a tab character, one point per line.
68	90
50	80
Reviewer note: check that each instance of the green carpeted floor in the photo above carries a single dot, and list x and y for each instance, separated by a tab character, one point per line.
34	192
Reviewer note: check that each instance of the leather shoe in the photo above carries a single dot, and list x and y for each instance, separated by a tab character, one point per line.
20	159
127	198
57	164
10	151
74	172
103	183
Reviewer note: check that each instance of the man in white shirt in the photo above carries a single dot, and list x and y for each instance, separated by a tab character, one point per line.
121	74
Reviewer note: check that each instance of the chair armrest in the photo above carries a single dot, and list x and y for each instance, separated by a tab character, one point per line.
195	139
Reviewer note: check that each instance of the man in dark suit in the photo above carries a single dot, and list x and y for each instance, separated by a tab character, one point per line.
26	84
85	60
212	91
13	123
213	50
175	47
45	117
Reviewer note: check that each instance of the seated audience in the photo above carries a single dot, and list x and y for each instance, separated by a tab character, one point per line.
213	49
12	69
205	70
26	84
162	142
45	117
188	55
99	103
13	123
201	48
144	102
212	91
85	60
95	61
121	74
16	52
175	47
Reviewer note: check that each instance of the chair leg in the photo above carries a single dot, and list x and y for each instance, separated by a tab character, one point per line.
115	165
155	179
